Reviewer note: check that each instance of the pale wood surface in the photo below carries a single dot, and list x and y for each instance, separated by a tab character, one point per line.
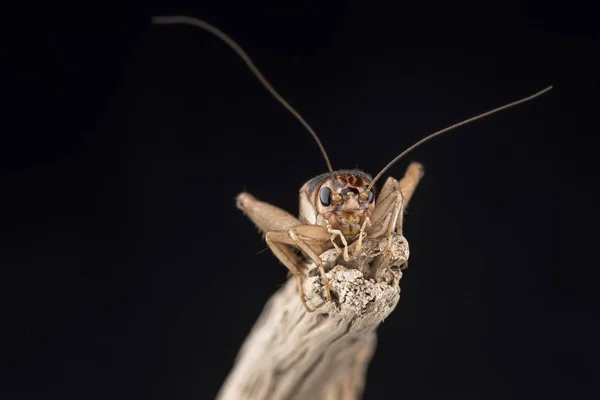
292	354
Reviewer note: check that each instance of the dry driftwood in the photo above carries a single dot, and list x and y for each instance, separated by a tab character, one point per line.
292	354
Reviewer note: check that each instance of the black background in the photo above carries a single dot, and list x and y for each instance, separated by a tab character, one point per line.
127	271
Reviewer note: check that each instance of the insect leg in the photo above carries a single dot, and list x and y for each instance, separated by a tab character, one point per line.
286	255
384	220
362	234
265	216
406	186
391	203
311	239
337	233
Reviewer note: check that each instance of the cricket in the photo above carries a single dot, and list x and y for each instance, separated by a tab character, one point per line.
337	209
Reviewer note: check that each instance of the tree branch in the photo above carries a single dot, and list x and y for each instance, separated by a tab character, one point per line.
292	354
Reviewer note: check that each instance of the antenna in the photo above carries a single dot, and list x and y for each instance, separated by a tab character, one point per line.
164	20
428	137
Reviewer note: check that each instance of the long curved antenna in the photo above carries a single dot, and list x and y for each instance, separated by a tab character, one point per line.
163	20
428	137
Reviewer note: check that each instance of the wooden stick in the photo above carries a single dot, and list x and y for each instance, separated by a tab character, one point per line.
292	354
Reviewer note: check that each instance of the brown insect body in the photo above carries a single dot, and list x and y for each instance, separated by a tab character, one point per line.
334	201
336	208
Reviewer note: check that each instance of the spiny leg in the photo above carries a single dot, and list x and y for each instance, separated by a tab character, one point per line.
307	237
310	239
271	220
287	256
384	220
406	186
394	191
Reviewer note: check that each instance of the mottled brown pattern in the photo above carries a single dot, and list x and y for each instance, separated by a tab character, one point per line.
350	180
341	181
317	181
349	212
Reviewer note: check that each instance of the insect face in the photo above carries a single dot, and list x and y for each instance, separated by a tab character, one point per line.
339	201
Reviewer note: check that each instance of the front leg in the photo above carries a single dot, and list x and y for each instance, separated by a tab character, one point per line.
391	202
384	220
335	233
312	240
283	233
406	186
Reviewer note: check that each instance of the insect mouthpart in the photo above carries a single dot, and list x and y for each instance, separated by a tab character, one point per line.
349	222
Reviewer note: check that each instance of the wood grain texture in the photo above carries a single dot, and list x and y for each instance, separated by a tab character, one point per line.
292	354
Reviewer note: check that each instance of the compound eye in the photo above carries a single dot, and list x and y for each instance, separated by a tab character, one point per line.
325	196
371	197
